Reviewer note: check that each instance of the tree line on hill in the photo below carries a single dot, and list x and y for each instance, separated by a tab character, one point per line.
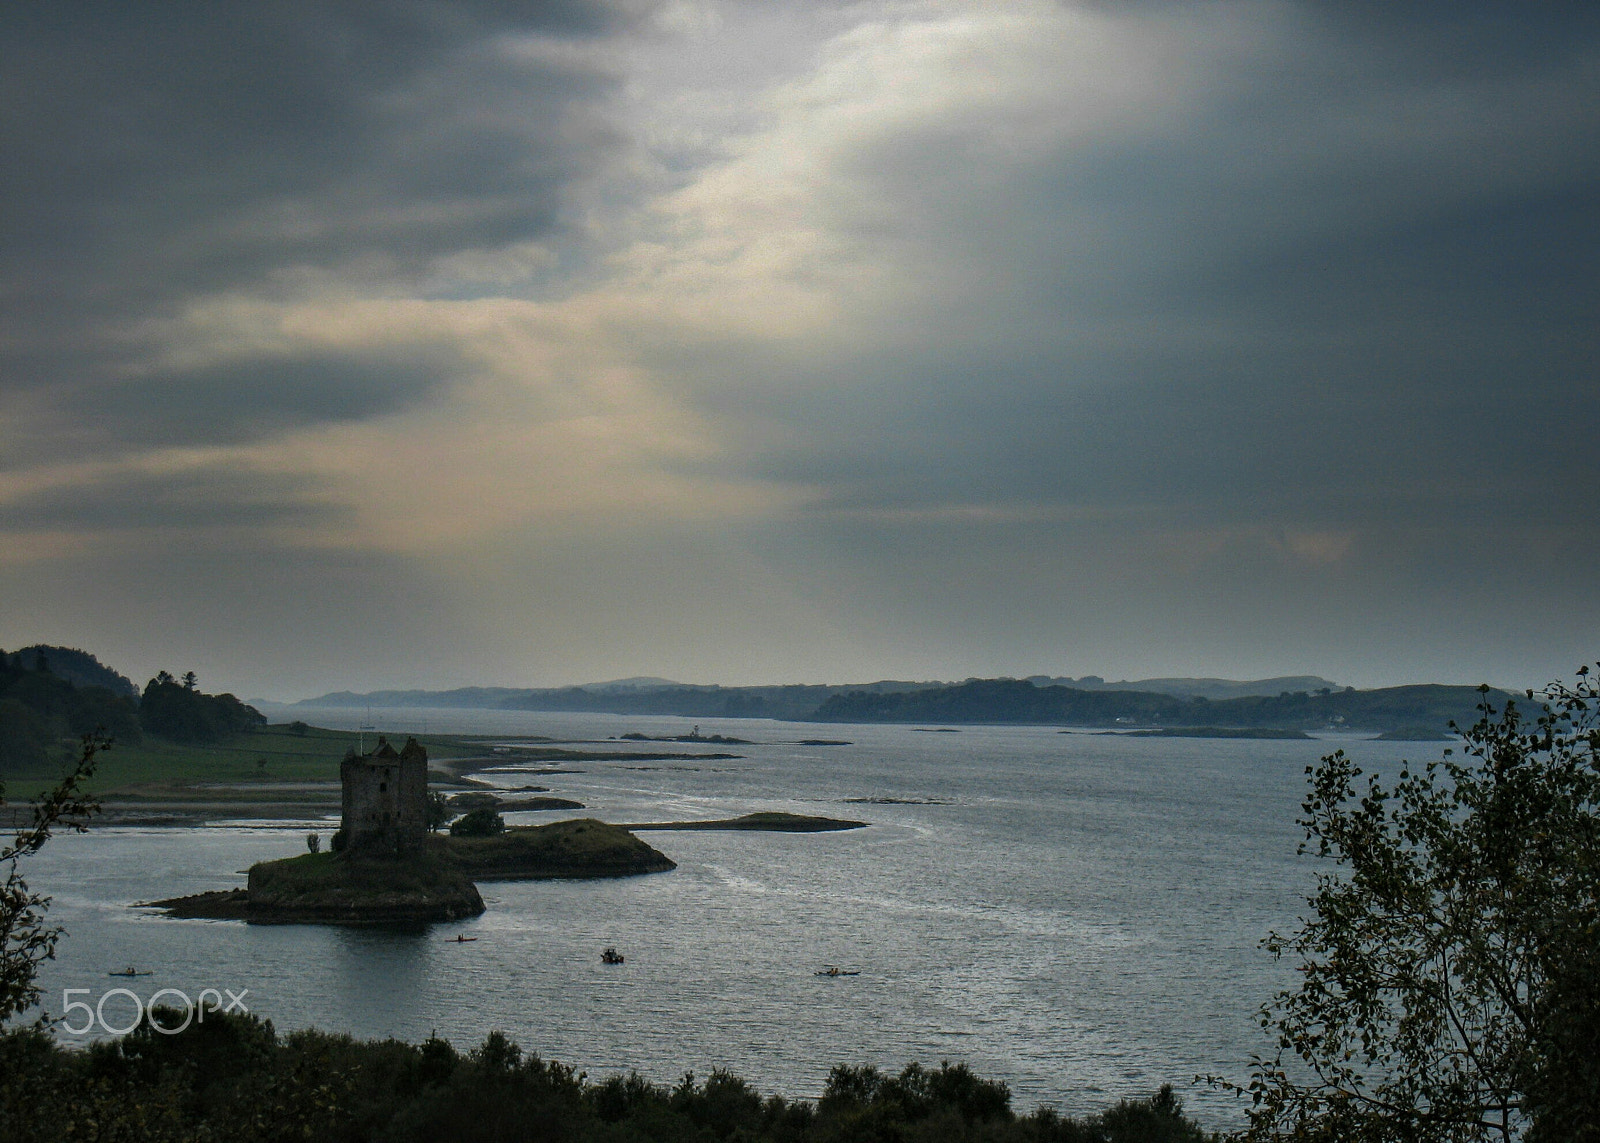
1018	700
51	696
685	700
1426	707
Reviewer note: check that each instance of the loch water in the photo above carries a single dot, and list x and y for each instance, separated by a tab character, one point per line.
1077	914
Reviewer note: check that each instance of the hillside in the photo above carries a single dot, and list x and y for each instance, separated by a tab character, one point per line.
45	706
1016	700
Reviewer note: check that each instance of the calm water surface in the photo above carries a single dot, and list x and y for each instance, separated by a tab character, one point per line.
1076	914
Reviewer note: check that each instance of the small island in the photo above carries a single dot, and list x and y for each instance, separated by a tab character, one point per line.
769	821
1267	733
579	848
477	800
386	868
1414	734
693	736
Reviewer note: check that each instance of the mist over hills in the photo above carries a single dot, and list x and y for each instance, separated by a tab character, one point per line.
628	696
645	692
1291	702
1196	688
1301	702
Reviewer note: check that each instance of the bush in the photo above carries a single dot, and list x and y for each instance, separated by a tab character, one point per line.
233	1078
479	823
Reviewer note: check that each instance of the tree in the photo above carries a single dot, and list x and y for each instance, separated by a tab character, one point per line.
1450	965
479	823
438	810
176	711
26	940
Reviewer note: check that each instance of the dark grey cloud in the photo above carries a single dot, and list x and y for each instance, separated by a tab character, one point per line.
1278	358
194	500
244	399
1352	283
157	154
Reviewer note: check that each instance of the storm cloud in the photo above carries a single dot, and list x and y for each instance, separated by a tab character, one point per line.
944	338
158	158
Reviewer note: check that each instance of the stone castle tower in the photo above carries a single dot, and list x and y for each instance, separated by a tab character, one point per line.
385	806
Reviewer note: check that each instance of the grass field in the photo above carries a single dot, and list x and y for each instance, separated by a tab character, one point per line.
273	754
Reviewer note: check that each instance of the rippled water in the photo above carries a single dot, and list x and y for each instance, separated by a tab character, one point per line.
1076	914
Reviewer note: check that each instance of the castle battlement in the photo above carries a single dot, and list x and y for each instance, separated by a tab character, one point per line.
385	797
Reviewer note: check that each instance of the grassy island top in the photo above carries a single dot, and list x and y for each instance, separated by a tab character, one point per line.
581	847
345	888
322	872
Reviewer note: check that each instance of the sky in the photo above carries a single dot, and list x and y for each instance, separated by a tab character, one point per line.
422	344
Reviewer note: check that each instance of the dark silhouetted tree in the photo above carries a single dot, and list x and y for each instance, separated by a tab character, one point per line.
1450	966
26	937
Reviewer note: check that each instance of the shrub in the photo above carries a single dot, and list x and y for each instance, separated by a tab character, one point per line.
479	823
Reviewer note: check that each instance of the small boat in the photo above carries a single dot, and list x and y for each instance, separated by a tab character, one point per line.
461	939
835	970
129	971
610	955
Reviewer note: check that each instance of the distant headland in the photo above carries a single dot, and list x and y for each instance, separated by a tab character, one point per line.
1286	703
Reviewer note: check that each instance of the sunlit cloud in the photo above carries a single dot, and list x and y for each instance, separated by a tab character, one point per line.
1150	310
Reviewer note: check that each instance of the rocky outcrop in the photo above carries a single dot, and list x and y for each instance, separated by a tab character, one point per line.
571	849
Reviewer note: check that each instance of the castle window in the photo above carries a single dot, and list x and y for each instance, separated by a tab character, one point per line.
383	787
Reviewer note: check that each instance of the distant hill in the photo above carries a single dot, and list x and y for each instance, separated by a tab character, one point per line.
1265	703
628	696
79	668
637	683
1196	688
1019	700
473	698
42	710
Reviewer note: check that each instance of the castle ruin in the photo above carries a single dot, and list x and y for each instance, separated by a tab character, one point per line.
385	803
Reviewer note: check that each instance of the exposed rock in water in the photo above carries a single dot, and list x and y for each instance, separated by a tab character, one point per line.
1268	733
769	821
478	801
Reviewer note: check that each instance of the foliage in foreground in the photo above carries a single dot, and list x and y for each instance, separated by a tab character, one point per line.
1450	968
231	1077
26	936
